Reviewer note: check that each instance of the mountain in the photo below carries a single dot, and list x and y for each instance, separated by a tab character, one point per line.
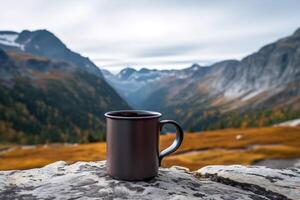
130	82
49	93
261	89
46	44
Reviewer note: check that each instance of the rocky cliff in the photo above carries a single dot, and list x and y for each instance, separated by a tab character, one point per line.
89	180
259	90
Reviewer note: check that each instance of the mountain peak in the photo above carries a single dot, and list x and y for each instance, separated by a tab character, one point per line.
195	67
38	31
144	70
126	73
44	33
127	70
41	37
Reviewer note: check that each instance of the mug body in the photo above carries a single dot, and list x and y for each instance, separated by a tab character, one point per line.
132	144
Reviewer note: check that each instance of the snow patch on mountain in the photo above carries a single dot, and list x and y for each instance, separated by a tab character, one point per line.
252	94
234	92
9	39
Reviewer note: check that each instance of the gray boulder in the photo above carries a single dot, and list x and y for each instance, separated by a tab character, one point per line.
89	180
271	183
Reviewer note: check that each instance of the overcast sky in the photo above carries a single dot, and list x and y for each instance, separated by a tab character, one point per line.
156	34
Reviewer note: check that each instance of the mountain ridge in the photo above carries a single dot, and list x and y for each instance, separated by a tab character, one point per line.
252	89
50	98
46	44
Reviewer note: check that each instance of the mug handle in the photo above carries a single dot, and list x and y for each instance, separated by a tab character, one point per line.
177	142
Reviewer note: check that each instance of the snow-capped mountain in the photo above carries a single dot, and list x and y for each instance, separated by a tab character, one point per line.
46	44
129	81
49	93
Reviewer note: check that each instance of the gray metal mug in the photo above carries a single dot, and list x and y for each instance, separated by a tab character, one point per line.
133	144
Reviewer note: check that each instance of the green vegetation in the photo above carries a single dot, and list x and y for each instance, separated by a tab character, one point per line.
46	101
235	119
56	110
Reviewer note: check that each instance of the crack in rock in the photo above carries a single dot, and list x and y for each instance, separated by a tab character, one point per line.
246	186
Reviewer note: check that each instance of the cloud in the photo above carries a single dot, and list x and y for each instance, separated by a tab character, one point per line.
157	34
161	51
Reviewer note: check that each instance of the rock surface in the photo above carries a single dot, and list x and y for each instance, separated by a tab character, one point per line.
271	183
89	180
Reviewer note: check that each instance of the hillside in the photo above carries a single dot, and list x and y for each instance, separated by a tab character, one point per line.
259	90
221	147
58	96
46	44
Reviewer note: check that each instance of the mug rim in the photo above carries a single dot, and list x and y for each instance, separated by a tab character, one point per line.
150	114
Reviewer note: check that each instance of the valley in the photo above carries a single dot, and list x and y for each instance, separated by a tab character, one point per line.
53	99
261	89
219	147
51	94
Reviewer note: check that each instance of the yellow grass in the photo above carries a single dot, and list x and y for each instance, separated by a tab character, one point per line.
197	150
